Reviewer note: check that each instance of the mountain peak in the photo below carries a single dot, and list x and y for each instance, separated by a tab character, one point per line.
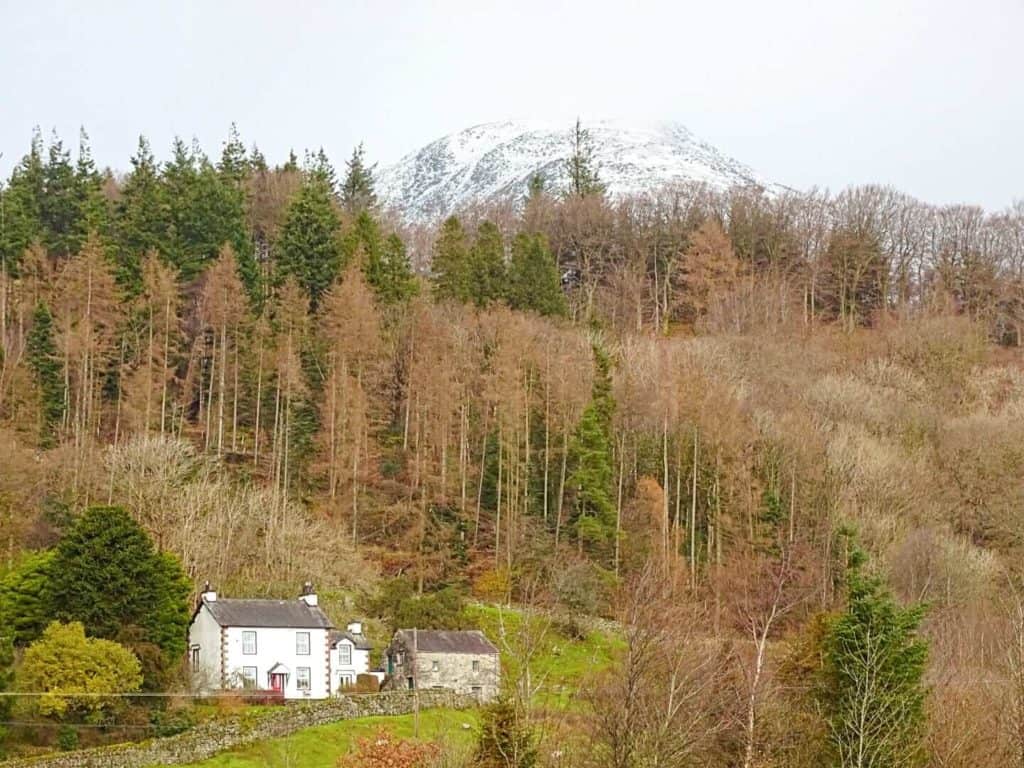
495	161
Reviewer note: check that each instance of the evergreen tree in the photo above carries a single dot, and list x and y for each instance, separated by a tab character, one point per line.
45	363
534	284
487	266
26	605
107	575
59	212
357	191
92	212
319	167
451	263
292	164
233	165
872	688
143	218
22	200
581	166
397	283
309	247
590	451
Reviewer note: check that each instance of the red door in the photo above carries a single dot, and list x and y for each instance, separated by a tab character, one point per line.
277	683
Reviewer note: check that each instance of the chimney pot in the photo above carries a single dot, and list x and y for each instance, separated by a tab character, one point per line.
356	628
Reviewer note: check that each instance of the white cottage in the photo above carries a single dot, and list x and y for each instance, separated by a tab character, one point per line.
288	647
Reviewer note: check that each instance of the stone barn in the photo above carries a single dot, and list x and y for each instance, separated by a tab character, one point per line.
465	662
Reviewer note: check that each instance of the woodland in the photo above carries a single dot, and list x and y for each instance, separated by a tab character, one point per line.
776	439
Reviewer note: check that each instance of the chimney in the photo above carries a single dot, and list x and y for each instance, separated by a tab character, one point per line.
356	628
308	596
208	595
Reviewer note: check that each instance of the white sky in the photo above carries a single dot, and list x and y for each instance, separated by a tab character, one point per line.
926	95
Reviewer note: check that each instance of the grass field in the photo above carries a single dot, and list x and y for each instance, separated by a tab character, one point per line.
322	745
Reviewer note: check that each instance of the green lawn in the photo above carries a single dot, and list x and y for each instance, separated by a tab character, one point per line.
322	745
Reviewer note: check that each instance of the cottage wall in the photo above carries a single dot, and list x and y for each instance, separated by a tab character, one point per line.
276	645
451	671
346	674
204	636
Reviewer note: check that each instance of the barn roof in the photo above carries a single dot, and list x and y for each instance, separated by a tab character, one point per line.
230	612
447	641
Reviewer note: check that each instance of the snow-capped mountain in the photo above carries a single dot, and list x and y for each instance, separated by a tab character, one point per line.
496	160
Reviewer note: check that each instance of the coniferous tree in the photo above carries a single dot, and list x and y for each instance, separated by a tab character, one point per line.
26	605
45	363
451	263
590	451
581	167
309	248
319	166
357	191
143	220
22	201
233	165
384	261
506	739
397	283
59	211
534	284
107	575
872	688
487	266
92	211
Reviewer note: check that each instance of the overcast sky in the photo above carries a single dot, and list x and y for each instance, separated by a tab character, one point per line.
925	95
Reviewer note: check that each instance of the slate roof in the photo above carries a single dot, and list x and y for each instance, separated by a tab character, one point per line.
359	641
231	612
446	641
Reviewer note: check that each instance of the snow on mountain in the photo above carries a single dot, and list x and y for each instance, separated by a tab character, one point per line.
495	161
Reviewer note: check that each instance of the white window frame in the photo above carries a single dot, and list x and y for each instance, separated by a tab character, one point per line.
250	681
300	684
298	646
344	654
435	666
247	635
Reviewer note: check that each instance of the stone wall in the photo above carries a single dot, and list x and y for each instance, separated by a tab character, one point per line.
207	739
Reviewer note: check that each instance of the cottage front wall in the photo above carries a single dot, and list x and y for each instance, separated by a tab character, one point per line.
277	645
452	671
345	674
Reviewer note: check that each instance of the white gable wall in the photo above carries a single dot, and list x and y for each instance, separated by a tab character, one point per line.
205	633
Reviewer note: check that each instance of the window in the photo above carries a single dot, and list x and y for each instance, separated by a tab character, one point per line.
345	681
476	665
302	643
344	653
302	678
476	690
195	655
248	677
435	666
249	643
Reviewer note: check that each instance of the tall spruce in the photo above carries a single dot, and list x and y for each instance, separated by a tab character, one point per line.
92	210
58	208
534	284
487	276
872	690
22	201
590	453
309	247
143	218
357	190
451	263
44	361
581	167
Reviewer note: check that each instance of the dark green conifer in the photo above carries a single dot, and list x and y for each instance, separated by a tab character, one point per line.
45	364
357	191
534	284
309	246
451	263
487	278
59	211
581	167
143	218
22	201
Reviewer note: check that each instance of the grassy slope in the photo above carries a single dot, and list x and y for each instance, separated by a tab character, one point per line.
559	666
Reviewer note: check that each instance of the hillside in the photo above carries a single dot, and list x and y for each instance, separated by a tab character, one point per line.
495	162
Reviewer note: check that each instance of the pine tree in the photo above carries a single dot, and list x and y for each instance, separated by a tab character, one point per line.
487	277
144	221
398	283
318	166
590	452
451	263
58	209
581	166
309	248
233	165
506	739
45	363
92	211
534	284
384	261
357	191
22	200
872	688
